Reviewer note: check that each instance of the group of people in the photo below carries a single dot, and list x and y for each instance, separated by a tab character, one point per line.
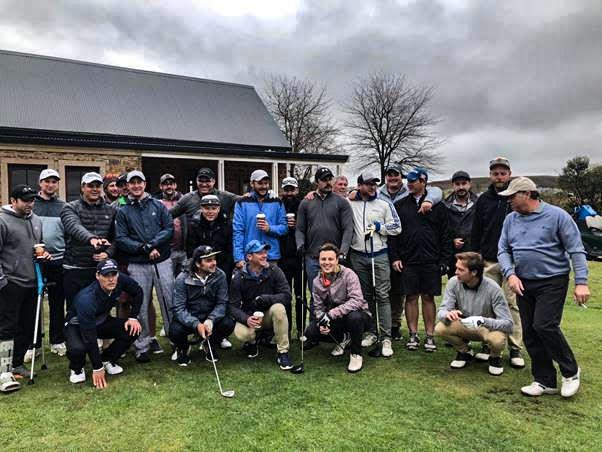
224	265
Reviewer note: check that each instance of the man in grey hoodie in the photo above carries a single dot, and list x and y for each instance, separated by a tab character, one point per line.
20	230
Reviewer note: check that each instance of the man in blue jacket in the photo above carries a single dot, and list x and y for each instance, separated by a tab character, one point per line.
144	228
259	216
199	304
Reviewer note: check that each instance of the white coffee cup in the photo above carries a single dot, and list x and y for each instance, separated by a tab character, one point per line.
259	315
260	217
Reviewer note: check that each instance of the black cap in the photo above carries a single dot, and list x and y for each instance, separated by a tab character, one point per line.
166	177
107	266
24	192
323	173
203	252
205	172
121	180
460	175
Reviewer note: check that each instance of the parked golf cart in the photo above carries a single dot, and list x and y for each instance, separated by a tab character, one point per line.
590	225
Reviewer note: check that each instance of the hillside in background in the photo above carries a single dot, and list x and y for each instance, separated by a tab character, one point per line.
480	184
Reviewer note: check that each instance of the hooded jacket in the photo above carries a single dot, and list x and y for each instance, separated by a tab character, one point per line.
18	235
194	301
460	221
489	215
217	234
288	247
342	296
49	211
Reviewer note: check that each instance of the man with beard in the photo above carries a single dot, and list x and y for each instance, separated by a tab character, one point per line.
489	214
460	207
169	196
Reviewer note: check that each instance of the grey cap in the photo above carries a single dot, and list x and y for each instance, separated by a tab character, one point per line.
367	177
88	178
460	175
290	182
210	200
517	185
394	167
135	173
502	161
258	175
45	174
166	177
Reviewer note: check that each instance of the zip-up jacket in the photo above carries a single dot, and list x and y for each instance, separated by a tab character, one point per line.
195	301
490	213
217	234
425	238
270	284
342	296
322	220
244	224
83	221
371	211
460	221
180	225
49	211
288	246
143	225
18	235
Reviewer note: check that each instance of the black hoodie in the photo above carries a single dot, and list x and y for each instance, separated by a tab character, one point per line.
489	216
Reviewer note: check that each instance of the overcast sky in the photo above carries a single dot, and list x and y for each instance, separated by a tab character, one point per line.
516	78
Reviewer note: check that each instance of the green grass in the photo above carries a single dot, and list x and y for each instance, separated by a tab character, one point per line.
411	401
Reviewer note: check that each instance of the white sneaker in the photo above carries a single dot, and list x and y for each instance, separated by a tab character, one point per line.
99	343
112	368
387	349
59	349
29	355
162	332
570	385
355	363
8	382
338	351
536	389
225	344
369	340
174	355
77	377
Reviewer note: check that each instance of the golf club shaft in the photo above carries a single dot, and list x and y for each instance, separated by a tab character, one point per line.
303	303
219	384
35	335
165	308
374	299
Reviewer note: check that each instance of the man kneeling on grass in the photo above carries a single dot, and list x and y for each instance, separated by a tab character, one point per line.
474	309
340	310
89	319
258	296
200	302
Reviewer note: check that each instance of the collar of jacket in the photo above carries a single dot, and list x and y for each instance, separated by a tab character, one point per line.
385	191
451	198
9	209
100	294
358	197
255	196
144	199
494	192
40	198
100	201
219	220
257	277
192	280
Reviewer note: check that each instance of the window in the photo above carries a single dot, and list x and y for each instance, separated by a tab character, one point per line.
24	174
73	178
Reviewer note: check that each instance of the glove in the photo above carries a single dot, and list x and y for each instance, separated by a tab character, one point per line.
443	269
473	322
3	283
261	303
208	323
343	259
301	250
147	248
324	321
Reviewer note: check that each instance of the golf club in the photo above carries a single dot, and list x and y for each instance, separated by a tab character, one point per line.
334	339
162	303
40	281
376	352
300	368
229	393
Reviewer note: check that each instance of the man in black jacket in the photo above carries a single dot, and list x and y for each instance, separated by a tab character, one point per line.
421	253
490	212
200	304
259	294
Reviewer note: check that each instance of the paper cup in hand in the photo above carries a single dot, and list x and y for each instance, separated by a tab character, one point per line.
259	315
39	249
260	217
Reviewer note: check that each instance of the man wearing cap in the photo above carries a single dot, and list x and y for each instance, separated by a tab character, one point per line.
374	221
538	243
290	262
421	254
169	196
489	214
89	226
122	195
89	318
259	216
259	294
48	207
460	208
144	229
200	304
190	203
110	188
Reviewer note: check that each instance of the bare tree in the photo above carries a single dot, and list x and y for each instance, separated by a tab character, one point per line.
389	122
301	109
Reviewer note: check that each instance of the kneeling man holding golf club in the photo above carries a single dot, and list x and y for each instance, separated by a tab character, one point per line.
339	309
199	305
259	294
89	319
474	309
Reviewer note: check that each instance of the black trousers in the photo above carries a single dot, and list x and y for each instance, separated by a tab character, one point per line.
541	308
353	323
291	267
74	280
17	317
112	328
56	301
178	333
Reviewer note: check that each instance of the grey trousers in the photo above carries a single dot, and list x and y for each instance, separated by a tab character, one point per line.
362	265
146	276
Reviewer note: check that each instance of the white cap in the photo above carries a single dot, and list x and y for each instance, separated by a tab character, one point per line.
45	174
135	173
88	178
290	182
258	175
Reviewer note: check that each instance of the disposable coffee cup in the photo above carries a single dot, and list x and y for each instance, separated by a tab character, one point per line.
259	315
290	216
260	217
39	249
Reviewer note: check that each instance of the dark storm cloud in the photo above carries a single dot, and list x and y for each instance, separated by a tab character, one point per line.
514	77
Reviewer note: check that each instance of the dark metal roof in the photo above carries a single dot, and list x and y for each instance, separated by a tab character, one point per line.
66	96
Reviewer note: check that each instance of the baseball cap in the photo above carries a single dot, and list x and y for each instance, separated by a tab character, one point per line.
393	167
107	266
203	252
519	184
368	177
24	192
166	177
258	175
417	173
210	200
255	246
88	178
205	172
45	174
121	179
323	173
460	175
133	174
503	161
290	182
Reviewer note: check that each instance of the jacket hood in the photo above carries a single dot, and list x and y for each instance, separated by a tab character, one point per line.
358	197
213	278
383	189
8	209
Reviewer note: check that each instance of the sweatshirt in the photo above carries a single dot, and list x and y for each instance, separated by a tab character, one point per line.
372	211
49	211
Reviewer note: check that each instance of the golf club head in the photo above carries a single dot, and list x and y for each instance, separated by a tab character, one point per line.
44	367
229	394
30	382
375	352
299	369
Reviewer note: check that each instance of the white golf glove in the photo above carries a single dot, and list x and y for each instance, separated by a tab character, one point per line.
208	324
473	322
